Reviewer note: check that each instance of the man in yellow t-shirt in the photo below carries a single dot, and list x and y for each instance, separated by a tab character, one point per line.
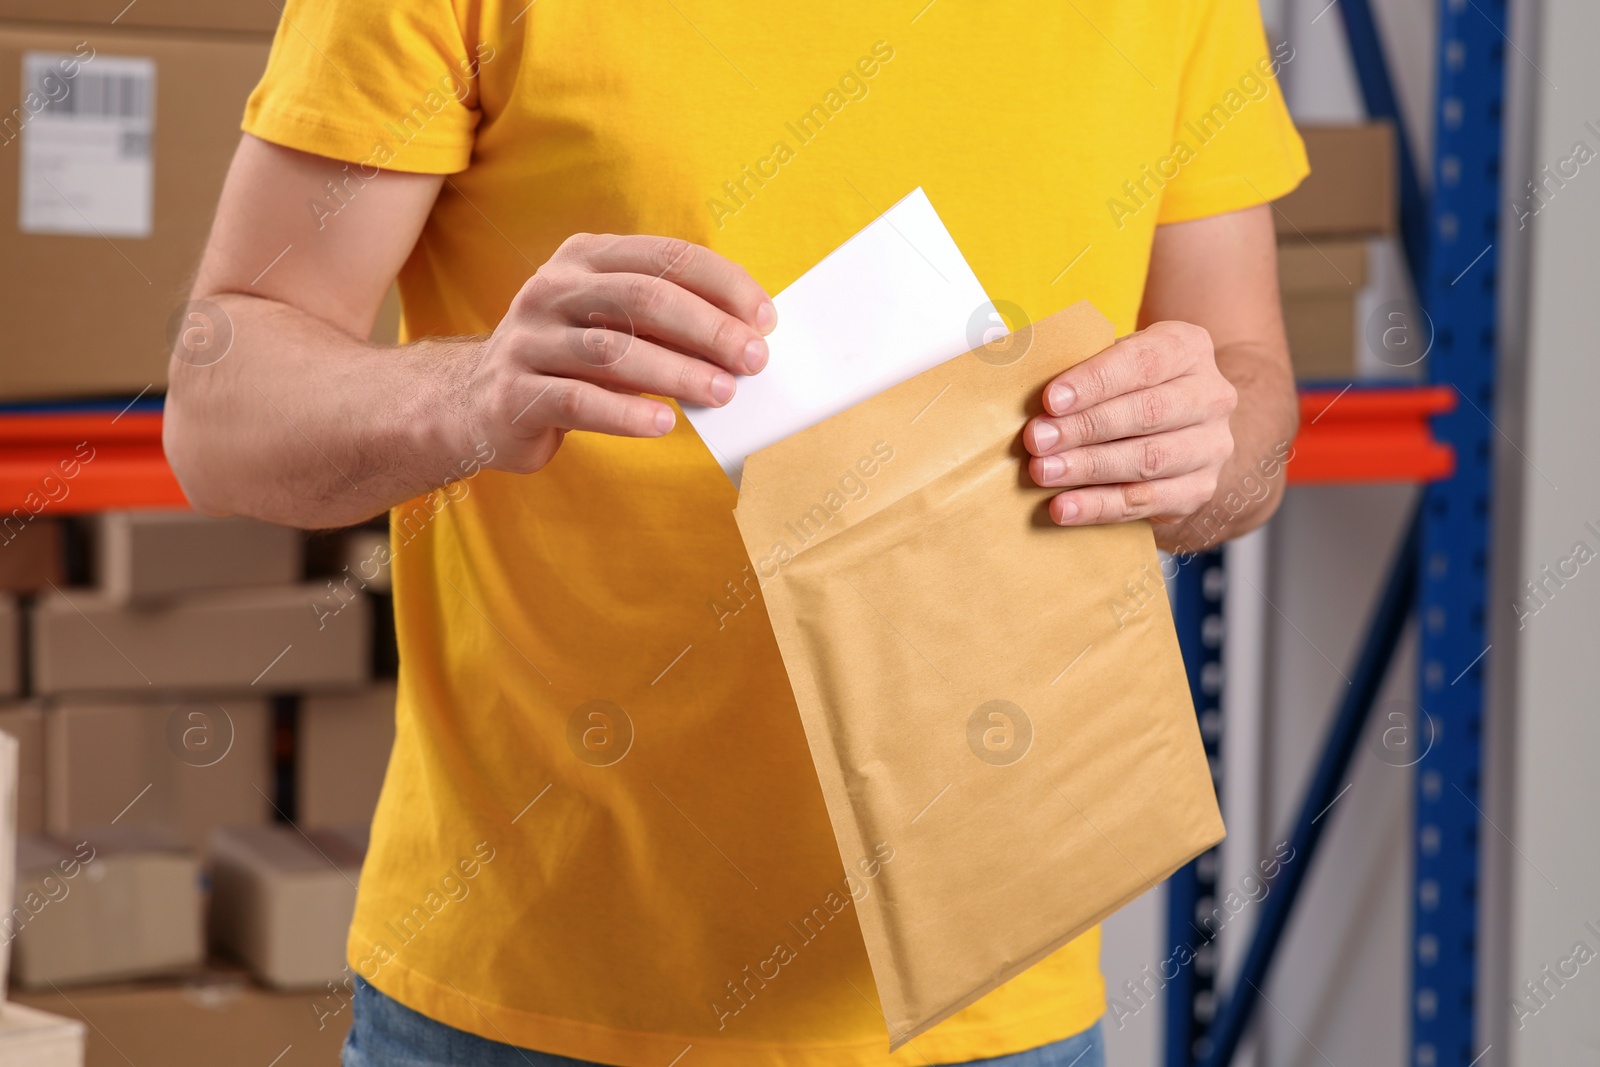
600	821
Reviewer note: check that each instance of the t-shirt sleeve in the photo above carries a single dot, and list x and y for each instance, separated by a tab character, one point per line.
1232	123
384	83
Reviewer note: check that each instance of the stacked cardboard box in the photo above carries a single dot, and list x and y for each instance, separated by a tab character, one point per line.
125	121
32	1038
125	133
212	614
117	904
32	554
147	557
341	753
155	713
202	605
215	1017
234	641
186	767
364	553
28	1037
25	723
8	847
1323	231
10	648
283	898
1320	282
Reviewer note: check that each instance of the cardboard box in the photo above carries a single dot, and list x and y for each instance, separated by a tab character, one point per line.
187	768
1320	282
224	16
281	901
25	723
341	753
365	554
119	904
8	842
121	213
32	1038
32	555
216	1018
1353	186
10	647
272	640
149	556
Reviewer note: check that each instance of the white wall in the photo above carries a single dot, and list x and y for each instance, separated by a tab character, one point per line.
1552	820
1340	985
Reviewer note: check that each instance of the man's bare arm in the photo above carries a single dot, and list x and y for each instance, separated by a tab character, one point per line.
1221	273
303	422
1186	422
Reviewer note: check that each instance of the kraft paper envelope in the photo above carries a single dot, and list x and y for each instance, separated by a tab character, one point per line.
999	699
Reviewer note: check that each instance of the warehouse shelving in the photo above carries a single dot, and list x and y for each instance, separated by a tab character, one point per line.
1439	575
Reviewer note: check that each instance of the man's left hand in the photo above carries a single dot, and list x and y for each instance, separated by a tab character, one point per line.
1139	431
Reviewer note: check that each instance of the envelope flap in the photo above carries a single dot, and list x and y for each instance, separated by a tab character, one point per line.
823	480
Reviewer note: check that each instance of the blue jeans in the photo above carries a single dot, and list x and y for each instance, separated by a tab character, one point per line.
386	1033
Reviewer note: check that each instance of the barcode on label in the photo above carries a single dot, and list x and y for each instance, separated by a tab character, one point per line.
117	89
88	165
97	95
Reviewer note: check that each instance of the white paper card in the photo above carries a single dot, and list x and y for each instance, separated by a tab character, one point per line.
86	153
893	301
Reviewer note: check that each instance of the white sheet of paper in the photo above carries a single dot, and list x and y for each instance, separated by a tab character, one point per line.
893	301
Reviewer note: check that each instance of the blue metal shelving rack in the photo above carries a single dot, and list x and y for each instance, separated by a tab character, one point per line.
1440	573
1191	891
1458	284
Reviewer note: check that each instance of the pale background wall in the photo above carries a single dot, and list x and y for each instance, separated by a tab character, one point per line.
1554	815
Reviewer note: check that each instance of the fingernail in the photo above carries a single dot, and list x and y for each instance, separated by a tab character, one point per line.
1052	467
755	355
665	420
1068	511
722	387
766	317
1045	436
1058	398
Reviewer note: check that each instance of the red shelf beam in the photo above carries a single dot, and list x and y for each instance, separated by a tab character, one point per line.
77	463
1371	435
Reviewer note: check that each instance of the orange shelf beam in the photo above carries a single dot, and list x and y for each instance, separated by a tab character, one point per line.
76	463
1371	435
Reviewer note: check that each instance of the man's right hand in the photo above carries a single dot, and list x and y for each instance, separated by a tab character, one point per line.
303	421
607	319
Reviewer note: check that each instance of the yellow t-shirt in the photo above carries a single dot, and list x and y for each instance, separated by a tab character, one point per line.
601	834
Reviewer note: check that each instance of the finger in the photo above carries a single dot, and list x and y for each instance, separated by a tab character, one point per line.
567	404
621	361
1134	459
1166	407
1139	361
655	307
1169	499
698	269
